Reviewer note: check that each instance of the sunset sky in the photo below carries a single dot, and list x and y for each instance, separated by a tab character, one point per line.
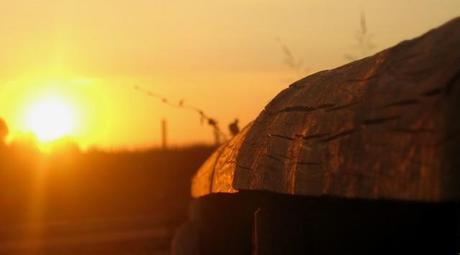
224	57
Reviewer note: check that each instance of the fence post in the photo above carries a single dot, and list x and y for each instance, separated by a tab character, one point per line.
164	134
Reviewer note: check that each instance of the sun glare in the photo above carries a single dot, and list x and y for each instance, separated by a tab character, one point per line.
50	118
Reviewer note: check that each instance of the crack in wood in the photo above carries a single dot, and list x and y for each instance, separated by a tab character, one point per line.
281	136
339	135
309	163
302	108
403	103
314	136
433	92
243	167
413	131
341	107
281	159
377	121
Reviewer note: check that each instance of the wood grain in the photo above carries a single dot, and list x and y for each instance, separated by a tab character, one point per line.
386	126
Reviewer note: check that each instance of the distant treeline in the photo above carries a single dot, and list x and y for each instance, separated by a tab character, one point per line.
72	185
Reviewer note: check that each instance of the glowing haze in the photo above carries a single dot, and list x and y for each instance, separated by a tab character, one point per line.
83	57
50	118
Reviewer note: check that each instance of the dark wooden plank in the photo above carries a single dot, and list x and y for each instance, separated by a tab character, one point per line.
265	223
302	225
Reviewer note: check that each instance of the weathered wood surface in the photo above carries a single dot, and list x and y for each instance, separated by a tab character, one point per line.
216	174
386	126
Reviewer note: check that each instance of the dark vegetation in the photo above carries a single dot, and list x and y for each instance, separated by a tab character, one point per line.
78	185
364	44
131	201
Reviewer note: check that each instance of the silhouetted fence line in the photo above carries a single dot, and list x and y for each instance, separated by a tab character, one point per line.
219	135
164	134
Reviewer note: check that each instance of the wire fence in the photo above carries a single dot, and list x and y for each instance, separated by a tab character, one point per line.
219	135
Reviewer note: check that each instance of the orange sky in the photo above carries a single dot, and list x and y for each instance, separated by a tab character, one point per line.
221	56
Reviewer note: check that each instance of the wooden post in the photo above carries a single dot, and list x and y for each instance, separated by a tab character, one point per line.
216	137
164	134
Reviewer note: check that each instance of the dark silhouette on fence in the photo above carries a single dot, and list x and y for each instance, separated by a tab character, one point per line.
234	127
219	136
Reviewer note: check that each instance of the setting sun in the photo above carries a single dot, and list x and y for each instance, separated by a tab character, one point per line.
50	118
